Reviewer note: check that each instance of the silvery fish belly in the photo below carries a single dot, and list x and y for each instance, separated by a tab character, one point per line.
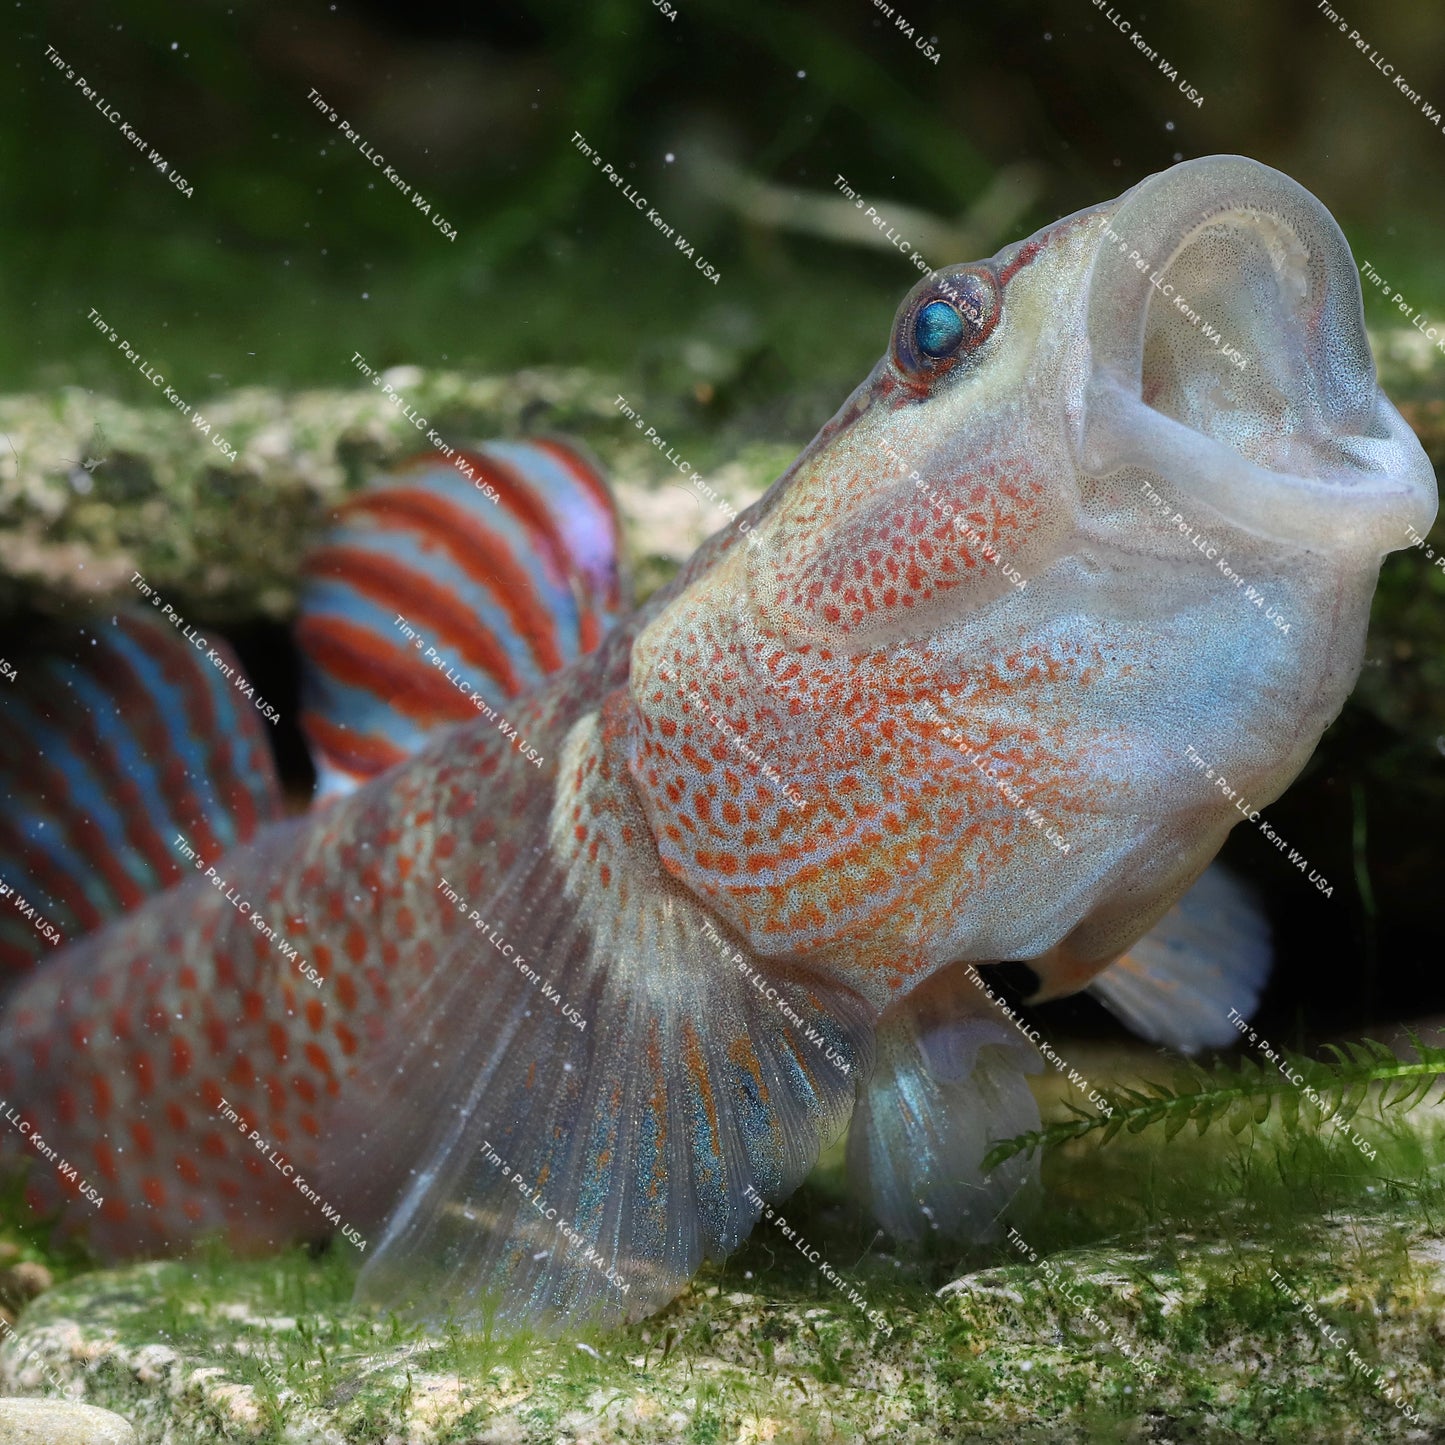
596	972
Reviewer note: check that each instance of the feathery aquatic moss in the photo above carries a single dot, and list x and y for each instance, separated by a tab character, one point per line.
1244	1091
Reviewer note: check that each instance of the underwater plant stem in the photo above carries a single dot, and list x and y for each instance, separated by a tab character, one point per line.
1248	1094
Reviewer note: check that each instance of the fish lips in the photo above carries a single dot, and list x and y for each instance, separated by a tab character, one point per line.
1228	356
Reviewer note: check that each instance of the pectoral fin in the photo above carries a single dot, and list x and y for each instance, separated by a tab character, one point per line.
1209	954
948	1081
547	1162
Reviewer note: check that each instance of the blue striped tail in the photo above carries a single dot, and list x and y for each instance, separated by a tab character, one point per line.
442	593
125	735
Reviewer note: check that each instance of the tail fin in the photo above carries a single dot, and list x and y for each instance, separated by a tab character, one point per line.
948	1081
1209	954
438	598
113	741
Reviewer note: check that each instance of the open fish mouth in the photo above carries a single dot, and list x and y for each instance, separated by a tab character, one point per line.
1229	357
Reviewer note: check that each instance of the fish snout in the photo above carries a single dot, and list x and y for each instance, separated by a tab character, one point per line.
1228	356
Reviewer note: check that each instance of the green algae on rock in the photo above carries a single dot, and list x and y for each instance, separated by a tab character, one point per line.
1153	1310
93	490
270	1352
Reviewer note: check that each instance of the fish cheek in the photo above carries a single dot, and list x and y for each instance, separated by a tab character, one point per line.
916	549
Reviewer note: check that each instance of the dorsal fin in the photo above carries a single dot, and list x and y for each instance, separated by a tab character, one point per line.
115	736
441	595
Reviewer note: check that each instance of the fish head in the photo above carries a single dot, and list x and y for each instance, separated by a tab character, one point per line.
1083	563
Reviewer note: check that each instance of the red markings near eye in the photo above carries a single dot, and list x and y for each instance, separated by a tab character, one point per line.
1026	254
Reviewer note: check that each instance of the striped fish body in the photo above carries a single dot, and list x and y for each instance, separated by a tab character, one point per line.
189	1057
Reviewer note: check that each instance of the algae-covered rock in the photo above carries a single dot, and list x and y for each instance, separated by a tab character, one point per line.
214	503
93	490
1278	1281
1331	1330
1237	1339
58	1422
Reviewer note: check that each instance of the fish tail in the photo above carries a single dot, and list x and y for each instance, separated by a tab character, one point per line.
121	740
448	588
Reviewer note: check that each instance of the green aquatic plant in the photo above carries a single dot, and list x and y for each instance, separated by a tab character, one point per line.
1245	1091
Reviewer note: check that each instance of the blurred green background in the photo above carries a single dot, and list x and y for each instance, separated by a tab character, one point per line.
733	119
293	251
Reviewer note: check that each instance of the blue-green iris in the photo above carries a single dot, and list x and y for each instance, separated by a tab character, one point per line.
938	329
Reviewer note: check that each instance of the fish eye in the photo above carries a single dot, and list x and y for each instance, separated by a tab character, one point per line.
944	321
938	329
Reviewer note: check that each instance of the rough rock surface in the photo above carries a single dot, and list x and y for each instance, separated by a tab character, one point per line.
1187	1338
93	490
60	1422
